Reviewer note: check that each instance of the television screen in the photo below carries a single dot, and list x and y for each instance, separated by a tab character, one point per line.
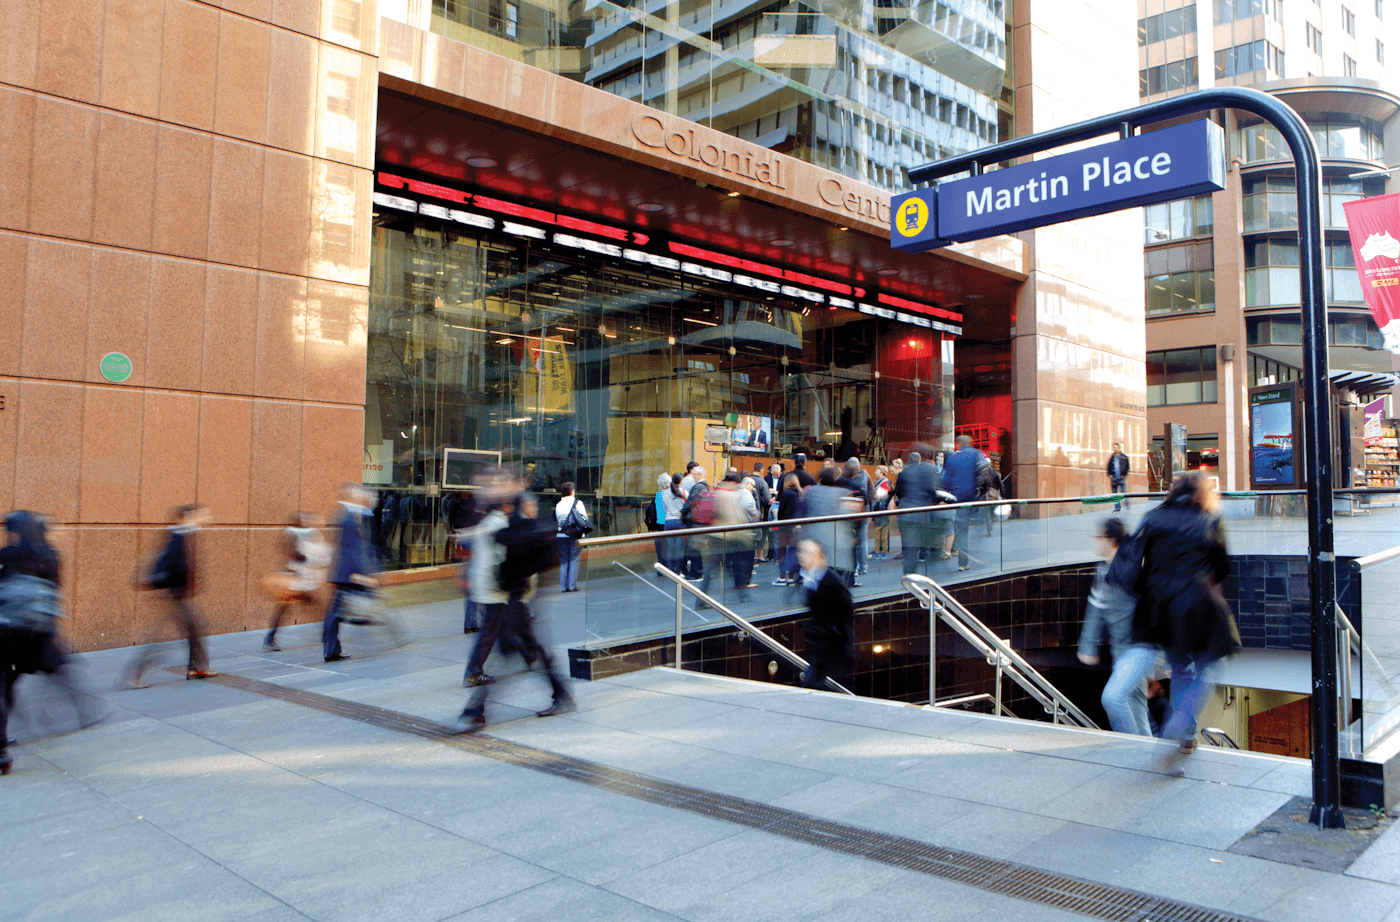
461	465
752	435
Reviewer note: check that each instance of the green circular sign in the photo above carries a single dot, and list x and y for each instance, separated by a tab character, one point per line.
116	367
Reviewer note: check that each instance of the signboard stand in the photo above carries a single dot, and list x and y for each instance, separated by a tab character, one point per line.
915	230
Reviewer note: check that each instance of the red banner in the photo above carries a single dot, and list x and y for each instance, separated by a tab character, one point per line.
1375	242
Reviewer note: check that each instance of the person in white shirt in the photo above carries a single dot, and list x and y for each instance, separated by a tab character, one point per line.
308	560
569	551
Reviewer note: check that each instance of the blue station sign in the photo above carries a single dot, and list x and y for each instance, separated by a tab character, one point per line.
1158	166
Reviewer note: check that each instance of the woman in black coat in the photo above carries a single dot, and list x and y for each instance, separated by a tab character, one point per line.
1181	546
789	508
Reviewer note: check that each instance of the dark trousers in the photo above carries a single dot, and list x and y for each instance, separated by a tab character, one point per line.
182	612
819	670
491	615
1117	485
330	628
469	621
673	549
741	566
513	620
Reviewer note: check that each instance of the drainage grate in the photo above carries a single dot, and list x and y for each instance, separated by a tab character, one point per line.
1101	901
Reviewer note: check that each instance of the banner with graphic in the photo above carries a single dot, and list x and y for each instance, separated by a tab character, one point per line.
1375	240
1371	426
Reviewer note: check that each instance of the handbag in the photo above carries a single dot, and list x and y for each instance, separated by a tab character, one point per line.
277	586
575	526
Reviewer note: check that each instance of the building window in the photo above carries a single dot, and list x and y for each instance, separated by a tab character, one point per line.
1314	38
1349	22
1337	136
1167	78
1380	52
1247	58
1271	273
1264	371
1167	25
1348	66
1342	330
1179	220
1233	10
1178	376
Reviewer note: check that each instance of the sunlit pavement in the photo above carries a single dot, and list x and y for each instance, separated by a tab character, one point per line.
201	801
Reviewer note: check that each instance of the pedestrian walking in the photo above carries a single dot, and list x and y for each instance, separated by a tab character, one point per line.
526	550
487	556
1109	616
698	511
735	505
836	538
573	524
308	558
855	479
791	507
355	569
1118	468
829	630
176	571
960	478
1180	555
763	499
30	609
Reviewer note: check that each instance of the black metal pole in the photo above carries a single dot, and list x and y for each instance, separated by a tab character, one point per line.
1317	431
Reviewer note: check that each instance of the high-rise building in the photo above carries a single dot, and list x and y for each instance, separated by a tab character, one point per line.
1221	272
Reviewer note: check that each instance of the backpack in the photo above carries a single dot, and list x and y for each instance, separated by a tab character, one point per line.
703	512
649	515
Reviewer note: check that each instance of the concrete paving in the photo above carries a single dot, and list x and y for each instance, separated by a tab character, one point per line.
200	801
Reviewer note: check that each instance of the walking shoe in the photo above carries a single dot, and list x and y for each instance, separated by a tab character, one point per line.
964	567
481	678
469	723
1186	747
200	673
781	582
560	706
270	646
337	657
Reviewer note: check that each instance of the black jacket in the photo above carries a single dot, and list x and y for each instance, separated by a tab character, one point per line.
1183	561
530	549
175	569
830	630
789	504
917	485
688	507
1118	467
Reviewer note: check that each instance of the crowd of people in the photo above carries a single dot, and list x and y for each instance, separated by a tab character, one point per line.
1156	596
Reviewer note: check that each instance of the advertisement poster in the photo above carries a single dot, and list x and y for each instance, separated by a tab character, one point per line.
1374	224
1371	430
547	377
1273	421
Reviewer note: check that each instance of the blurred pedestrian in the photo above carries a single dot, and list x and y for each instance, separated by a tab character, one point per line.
177	570
916	487
960	478
30	608
486	558
881	503
763	500
791	507
355	569
829	630
855	479
1110	614
572	518
836	538
1180	606
308	557
698	511
735	505
799	468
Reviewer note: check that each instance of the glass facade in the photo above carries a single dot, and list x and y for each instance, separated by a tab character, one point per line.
583	360
865	89
1344	137
1178	376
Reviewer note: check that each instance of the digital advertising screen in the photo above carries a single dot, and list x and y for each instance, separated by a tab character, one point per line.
752	435
1273	418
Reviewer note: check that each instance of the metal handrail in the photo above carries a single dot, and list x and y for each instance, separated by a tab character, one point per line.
969	699
746	626
1217	737
997	651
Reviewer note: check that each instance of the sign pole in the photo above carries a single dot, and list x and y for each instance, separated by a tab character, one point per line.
1317	433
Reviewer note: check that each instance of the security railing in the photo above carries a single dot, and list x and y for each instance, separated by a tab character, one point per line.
683	586
998	653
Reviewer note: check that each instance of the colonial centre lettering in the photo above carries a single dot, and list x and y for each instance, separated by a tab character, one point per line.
755	163
1046	188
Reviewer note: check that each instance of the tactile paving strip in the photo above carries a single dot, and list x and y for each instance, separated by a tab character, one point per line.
1099	901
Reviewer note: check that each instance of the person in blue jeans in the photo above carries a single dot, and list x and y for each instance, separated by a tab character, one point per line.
1179	551
1110	611
569	551
960	476
355	566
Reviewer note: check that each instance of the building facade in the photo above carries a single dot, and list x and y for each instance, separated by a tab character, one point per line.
1220	272
259	249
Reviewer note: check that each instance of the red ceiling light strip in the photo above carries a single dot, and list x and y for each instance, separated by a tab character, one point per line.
929	310
592	227
424	188
734	262
815	282
510	208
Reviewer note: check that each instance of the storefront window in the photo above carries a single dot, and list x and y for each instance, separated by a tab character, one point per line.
580	365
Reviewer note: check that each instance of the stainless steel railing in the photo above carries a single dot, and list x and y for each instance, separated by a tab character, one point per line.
683	586
998	652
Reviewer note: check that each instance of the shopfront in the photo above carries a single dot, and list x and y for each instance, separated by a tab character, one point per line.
582	346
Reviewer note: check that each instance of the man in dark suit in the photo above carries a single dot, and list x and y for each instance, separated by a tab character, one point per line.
830	629
916	487
354	567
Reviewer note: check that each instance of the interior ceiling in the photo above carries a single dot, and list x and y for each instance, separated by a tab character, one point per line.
431	140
